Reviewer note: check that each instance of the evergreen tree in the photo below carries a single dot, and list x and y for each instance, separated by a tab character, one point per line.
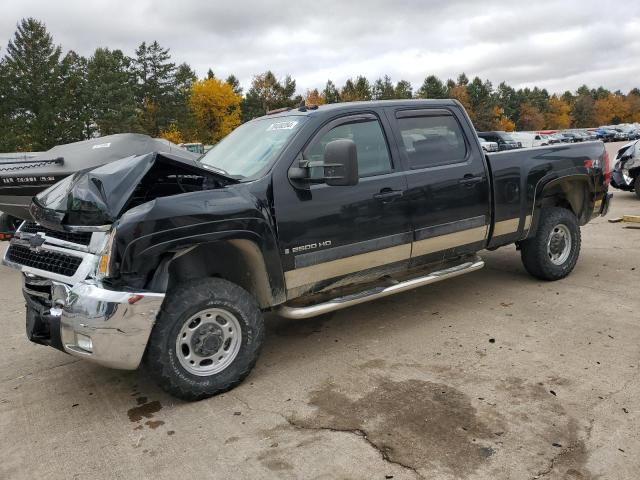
330	93
403	89
235	84
268	93
482	104
362	88
348	92
432	87
73	100
31	77
155	75
383	89
182	116
111	94
509	101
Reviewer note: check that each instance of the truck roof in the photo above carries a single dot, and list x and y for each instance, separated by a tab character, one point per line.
332	108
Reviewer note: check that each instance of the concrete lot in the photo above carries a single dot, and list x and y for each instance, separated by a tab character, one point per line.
492	375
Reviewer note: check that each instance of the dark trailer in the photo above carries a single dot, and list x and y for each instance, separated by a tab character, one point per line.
26	175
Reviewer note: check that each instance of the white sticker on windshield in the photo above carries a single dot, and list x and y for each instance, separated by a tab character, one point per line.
102	145
282	126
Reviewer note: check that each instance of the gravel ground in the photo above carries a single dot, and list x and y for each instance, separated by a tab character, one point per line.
492	375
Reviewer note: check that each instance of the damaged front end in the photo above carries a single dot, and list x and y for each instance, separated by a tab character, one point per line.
68	254
627	167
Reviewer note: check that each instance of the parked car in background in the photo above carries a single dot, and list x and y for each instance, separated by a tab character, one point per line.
504	140
621	134
555	138
591	135
626	170
488	146
605	134
581	135
529	140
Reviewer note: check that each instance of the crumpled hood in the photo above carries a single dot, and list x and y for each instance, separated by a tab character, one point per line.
98	196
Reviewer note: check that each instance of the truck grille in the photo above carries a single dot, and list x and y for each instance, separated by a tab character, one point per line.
81	238
44	260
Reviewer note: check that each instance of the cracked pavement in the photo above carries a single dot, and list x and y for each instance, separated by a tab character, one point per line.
492	375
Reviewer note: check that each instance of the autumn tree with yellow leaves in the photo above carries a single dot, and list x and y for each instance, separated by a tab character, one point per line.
216	108
558	115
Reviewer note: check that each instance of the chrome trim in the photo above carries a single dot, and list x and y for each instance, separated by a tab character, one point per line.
379	292
85	229
119	330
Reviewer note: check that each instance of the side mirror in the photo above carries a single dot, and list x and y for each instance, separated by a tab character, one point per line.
339	166
341	163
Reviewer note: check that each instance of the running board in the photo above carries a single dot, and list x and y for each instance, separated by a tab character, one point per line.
378	292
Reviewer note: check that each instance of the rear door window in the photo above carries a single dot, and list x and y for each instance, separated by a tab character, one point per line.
430	141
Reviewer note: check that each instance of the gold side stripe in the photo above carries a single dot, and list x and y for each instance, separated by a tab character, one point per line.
343	266
450	240
510	226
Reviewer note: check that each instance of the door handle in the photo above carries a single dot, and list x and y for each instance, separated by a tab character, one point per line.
470	180
387	195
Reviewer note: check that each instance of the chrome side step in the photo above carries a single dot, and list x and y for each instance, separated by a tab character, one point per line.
378	292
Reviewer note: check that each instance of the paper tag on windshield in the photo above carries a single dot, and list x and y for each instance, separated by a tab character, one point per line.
282	126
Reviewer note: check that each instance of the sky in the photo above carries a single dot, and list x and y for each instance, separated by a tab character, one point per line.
558	45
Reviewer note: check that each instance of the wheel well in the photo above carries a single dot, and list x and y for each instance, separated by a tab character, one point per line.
572	194
238	261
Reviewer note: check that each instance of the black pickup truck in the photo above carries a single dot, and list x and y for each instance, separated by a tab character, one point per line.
172	262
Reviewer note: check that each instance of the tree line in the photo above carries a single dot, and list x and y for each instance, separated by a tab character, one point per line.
47	98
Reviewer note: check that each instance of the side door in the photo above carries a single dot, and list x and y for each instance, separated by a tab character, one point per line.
338	235
447	182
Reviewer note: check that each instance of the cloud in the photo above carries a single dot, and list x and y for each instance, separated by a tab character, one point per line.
554	44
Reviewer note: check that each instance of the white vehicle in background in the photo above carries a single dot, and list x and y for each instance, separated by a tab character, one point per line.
529	139
488	146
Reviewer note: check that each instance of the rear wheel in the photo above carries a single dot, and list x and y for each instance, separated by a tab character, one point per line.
636	185
206	339
553	252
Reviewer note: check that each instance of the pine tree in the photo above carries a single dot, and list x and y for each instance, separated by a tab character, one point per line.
383	89
32	76
73	100
111	93
235	84
432	87
482	104
330	93
182	117
155	75
403	89
362	88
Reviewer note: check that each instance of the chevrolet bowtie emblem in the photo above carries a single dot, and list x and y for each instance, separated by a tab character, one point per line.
35	242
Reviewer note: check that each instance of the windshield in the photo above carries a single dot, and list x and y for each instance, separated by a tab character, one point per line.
253	147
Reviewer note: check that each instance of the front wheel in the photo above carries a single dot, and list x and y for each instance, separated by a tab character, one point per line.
206	339
553	252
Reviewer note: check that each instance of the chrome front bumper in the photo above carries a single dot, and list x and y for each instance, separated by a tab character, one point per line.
117	323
